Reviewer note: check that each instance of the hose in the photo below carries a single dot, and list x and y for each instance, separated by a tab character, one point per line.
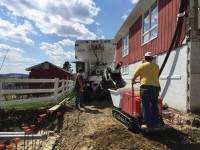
183	4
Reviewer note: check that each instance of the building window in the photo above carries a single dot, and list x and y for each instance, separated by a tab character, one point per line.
150	23
125	45
124	70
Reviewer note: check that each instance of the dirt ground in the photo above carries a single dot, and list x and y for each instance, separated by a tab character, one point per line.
94	128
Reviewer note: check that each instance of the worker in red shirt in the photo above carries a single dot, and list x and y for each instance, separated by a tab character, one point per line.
79	89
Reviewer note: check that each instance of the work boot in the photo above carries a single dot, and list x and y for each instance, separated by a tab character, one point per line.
147	129
144	126
82	106
76	107
158	127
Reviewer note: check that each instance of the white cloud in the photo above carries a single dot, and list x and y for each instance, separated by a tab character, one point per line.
15	67
67	42
56	51
14	54
58	17
15	60
126	14
97	24
17	33
134	1
100	34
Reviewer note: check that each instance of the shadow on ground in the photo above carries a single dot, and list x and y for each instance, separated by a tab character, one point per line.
173	139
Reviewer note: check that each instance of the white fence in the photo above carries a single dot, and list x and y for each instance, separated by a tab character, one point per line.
59	88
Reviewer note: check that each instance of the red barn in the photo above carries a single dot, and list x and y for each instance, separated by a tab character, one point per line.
47	70
165	27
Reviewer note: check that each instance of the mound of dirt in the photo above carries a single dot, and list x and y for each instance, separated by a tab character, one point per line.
94	128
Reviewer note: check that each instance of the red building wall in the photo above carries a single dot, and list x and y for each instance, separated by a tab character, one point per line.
167	16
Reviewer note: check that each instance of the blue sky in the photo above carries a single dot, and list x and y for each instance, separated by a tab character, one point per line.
34	31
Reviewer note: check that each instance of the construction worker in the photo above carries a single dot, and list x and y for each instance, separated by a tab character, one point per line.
79	89
149	91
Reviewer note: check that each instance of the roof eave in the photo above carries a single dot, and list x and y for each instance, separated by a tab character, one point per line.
30	68
140	8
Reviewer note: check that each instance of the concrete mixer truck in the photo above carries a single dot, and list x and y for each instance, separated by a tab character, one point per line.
96	58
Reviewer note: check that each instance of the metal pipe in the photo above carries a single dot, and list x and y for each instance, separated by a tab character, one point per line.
11	133
25	136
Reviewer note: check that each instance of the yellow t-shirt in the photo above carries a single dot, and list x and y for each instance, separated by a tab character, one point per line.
148	73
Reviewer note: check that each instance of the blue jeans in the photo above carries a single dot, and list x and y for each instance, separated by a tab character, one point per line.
149	106
79	97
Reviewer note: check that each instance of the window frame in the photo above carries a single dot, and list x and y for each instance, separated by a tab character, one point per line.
151	28
125	50
124	71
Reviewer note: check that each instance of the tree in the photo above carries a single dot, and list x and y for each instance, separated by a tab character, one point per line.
67	66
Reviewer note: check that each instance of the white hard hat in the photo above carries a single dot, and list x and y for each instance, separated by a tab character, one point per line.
148	54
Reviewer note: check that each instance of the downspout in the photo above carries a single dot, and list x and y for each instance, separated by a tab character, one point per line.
180	15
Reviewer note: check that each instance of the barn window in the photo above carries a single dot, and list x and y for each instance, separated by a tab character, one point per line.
125	70
150	23
125	45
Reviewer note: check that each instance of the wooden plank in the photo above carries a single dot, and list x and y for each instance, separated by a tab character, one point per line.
63	102
54	108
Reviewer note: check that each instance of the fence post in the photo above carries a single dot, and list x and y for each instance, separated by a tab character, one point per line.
63	87
71	85
55	90
67	85
0	92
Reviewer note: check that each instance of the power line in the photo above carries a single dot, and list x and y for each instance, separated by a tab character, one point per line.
4	59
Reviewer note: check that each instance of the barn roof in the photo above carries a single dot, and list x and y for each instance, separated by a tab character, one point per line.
38	65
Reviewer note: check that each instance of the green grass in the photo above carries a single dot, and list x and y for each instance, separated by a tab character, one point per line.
10	97
29	106
38	105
